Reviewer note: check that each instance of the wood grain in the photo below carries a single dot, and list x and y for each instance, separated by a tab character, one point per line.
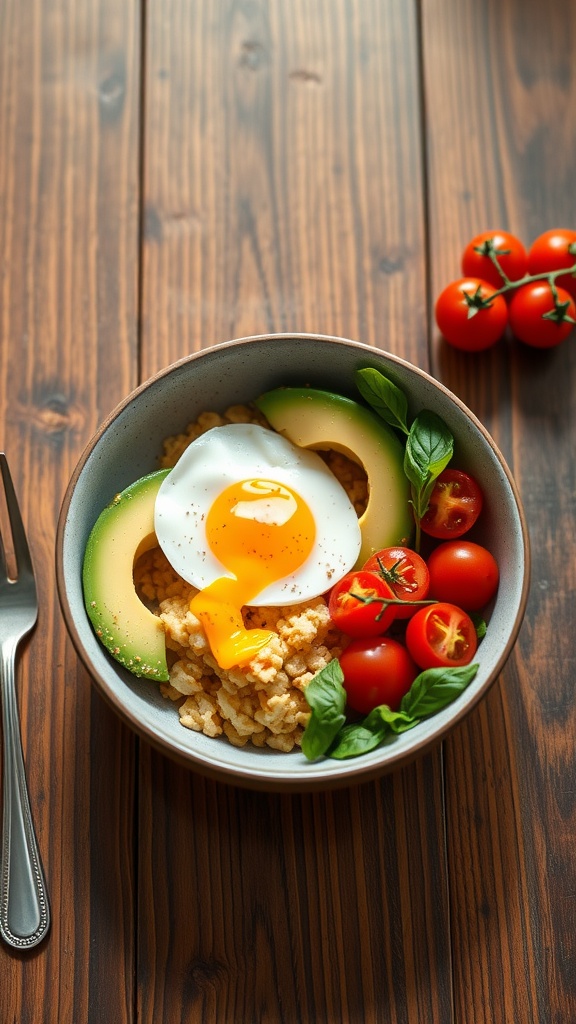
268	207
511	807
68	291
317	909
177	173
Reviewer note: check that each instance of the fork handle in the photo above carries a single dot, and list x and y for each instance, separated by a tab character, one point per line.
24	908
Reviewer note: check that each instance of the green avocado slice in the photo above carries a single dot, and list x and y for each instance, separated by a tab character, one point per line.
132	634
318	419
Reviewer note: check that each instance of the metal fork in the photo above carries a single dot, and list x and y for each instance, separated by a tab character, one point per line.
24	908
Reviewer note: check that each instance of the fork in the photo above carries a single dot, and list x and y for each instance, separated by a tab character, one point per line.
24	907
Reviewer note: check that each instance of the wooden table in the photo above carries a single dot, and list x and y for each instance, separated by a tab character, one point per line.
178	173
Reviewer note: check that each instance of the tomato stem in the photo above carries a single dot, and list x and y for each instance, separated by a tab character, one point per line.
489	249
385	601
547	275
391	575
559	312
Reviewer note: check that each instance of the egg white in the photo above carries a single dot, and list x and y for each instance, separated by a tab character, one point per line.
241	451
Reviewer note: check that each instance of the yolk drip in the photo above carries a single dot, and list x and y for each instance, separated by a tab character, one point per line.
260	531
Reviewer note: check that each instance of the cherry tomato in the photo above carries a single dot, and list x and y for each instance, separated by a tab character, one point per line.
405	572
455	504
441	635
553	250
463	573
533	318
357	604
470	315
376	671
507	249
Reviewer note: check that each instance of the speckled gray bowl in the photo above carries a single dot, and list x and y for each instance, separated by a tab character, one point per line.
127	446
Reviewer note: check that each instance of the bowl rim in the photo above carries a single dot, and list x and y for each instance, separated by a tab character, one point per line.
357	772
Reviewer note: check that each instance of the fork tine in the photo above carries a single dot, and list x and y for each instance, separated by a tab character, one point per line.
21	549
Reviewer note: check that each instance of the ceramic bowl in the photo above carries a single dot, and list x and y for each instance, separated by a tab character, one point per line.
127	446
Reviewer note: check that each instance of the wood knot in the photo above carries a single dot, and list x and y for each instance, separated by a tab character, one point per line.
54	417
111	95
253	55
305	76
391	263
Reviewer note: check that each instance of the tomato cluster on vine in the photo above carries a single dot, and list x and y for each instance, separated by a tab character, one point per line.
533	292
404	613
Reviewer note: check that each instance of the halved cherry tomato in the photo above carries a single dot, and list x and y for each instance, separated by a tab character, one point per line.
454	506
508	250
463	573
441	635
535	317
551	251
377	670
405	571
470	315
357	604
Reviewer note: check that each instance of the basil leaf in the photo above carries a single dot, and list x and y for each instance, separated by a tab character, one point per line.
429	447
326	732
397	721
354	740
435	688
412	469
327	698
364	736
388	400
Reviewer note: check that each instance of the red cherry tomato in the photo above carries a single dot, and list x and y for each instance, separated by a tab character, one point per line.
376	671
508	250
441	635
357	604
470	315
553	250
405	572
454	507
532	315
463	573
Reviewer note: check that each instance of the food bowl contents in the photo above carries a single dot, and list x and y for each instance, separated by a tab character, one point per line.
283	572
233	521
319	419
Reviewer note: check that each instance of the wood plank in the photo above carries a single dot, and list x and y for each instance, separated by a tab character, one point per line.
283	191
283	186
69	77
319	908
500	91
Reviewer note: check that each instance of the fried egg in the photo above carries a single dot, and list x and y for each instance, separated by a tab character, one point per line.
248	518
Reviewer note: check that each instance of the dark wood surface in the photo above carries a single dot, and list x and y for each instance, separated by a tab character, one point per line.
181	173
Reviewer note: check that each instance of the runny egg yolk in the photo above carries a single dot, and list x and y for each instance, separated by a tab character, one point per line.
260	531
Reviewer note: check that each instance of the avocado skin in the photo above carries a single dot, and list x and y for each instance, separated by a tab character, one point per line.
129	631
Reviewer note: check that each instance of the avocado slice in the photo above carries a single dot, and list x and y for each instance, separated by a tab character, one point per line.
132	634
318	419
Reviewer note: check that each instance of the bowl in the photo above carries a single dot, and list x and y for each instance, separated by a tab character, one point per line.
127	445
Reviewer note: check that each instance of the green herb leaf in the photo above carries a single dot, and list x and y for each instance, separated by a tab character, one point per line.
434	688
355	740
327	733
429	447
327	698
364	736
388	400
